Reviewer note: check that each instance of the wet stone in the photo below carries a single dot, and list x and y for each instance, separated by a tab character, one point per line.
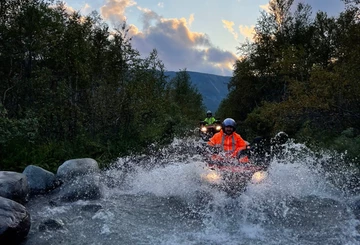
51	224
92	208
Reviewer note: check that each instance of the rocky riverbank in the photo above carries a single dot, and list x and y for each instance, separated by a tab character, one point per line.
76	179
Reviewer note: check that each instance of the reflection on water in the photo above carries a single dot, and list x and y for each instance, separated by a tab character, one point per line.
161	201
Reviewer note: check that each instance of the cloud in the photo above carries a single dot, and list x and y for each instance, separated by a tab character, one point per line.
247	31
265	7
147	17
229	26
68	9
86	9
179	47
223	60
114	10
191	19
133	30
160	4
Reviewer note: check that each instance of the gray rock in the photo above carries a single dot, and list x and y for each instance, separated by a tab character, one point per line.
51	224
81	188
91	208
77	167
39	179
14	222
14	186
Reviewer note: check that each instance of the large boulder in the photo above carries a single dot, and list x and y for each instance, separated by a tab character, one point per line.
77	167
39	179
81	188
14	222
14	186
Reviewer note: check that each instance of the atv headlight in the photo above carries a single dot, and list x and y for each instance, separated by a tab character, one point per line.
218	128
203	129
258	177
212	177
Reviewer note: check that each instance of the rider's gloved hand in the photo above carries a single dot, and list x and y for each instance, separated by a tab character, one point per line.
245	152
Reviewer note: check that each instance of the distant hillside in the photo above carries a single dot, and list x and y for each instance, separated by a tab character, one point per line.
213	88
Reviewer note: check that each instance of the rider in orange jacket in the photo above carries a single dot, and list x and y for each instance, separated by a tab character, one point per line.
228	140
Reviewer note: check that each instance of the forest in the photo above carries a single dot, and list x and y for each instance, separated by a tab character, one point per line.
300	75
71	87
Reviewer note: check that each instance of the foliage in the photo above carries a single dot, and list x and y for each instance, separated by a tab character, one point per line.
299	75
183	93
70	87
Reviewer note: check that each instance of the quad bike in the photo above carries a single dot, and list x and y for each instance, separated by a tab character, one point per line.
207	131
232	175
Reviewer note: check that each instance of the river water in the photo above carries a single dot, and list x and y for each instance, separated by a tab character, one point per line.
303	201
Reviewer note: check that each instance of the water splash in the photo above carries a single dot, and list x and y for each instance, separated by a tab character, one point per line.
153	199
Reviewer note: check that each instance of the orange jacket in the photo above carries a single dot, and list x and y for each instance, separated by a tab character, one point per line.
229	143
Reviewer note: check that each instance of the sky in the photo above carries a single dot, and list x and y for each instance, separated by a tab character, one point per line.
196	35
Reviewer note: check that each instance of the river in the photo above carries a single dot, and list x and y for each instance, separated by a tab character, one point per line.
157	202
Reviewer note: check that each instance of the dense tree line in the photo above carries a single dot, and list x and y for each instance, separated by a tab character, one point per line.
300	75
71	87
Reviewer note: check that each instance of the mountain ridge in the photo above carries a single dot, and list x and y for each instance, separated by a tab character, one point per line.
213	88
